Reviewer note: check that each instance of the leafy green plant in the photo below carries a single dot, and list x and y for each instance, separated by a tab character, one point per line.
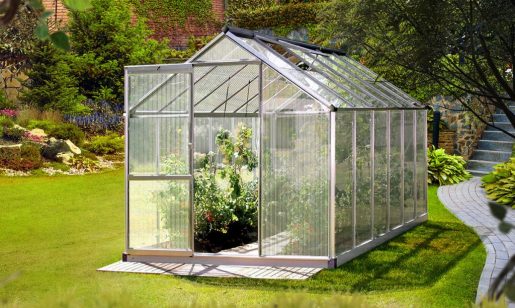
445	169
500	183
5	122
225	203
67	131
109	144
41	124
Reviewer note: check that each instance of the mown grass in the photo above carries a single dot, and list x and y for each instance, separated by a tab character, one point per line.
56	231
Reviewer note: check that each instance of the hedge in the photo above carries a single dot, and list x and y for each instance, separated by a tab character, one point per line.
291	14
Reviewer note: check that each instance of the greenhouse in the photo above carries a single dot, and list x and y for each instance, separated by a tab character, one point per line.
261	150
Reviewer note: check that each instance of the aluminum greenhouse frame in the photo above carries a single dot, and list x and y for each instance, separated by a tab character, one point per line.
342	153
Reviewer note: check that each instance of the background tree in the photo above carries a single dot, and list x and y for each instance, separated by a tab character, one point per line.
456	47
103	39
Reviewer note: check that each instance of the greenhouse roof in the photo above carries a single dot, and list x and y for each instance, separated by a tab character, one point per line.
328	75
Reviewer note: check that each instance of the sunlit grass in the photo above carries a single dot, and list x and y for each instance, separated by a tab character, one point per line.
56	231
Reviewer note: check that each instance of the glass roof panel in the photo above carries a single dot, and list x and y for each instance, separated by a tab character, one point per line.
355	84
281	95
371	77
299	76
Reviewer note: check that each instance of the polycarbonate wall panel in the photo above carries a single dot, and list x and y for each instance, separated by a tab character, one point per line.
159	92
344	236
409	165
295	174
207	128
159	214
396	169
381	161
169	135
225	49
421	162
363	177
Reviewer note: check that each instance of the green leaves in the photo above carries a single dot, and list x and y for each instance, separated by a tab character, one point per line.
60	40
78	5
445	169
500	183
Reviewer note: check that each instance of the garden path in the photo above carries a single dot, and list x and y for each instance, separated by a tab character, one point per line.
468	202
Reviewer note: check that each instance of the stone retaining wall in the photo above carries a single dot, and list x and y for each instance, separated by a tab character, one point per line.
468	129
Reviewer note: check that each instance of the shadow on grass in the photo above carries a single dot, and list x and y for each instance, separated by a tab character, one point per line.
415	259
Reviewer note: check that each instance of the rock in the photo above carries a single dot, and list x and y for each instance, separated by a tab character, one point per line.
55	146
10	146
20	127
65	157
72	147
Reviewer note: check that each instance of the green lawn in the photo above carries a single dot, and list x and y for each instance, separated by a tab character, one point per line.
56	231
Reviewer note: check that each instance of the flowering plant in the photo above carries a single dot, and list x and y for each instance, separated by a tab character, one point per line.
8	112
34	138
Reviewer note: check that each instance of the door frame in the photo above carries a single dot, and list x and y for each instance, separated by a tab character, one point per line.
172	70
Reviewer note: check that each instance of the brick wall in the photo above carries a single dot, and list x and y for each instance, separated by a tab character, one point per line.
59	17
446	141
178	35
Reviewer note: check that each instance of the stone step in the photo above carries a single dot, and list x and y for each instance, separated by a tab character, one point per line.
478	173
499	117
495	145
481	165
497	135
504	125
489	155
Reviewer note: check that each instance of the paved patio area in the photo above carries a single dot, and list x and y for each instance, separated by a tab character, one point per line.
207	270
468	202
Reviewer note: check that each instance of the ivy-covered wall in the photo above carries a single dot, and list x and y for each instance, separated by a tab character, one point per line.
179	20
295	19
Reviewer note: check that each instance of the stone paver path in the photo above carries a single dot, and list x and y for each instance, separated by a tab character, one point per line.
468	202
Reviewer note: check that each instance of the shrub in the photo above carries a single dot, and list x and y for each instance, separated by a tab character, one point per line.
445	169
26	157
67	131
108	144
42	124
13	133
31	156
500	183
106	38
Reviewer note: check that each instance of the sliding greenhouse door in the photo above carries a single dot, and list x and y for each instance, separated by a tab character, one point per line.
159	169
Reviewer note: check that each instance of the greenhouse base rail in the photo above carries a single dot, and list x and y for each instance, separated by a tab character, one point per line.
367	246
213	259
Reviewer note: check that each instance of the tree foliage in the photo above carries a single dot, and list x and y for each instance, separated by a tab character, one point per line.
461	47
103	40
